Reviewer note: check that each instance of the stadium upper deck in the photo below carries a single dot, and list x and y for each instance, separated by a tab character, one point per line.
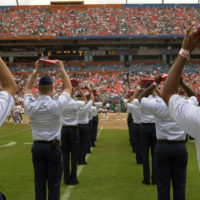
96	21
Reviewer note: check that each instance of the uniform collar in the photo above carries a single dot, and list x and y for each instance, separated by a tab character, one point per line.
44	97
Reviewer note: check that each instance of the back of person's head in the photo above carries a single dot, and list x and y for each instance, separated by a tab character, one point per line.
45	85
2	196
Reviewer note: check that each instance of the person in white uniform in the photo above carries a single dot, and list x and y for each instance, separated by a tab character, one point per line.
129	122
45	116
134	107
70	139
95	120
148	141
7	91
83	125
8	88
184	111
170	151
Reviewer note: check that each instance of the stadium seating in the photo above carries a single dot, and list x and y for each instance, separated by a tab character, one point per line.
97	21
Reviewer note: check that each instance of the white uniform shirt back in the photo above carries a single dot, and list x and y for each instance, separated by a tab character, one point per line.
6	104
70	112
96	108
127	109
45	115
186	113
146	116
134	107
83	113
166	127
92	108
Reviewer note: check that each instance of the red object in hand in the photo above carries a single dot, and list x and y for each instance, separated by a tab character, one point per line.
164	76
74	83
197	33
181	92
48	61
94	92
131	91
146	81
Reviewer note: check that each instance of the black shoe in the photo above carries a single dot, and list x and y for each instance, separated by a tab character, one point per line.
67	182
82	163
154	183
146	182
74	182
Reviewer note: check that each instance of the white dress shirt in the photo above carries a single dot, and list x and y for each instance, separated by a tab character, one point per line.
127	108
134	107
70	112
96	108
6	104
186	113
45	115
90	112
166	127
146	116
83	113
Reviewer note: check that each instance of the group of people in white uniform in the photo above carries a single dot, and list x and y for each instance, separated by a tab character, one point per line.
159	122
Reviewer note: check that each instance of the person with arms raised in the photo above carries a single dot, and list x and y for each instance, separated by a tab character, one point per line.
7	92
45	116
184	111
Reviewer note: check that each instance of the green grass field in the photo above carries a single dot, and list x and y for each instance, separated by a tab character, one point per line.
111	173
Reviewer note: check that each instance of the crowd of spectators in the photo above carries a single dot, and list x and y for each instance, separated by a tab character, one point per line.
97	21
111	86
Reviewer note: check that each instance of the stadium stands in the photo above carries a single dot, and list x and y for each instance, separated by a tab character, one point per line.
111	84
127	20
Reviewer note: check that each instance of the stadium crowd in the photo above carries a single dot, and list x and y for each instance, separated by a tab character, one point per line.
38	22
109	85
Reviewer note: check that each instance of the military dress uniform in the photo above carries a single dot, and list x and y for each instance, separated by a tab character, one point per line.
45	115
134	107
83	126
95	121
130	126
170	151
6	104
70	140
148	139
186	113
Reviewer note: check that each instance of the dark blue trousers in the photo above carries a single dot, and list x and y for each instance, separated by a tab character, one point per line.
47	163
171	160
83	143
90	134
70	146
130	127
95	126
148	138
138	144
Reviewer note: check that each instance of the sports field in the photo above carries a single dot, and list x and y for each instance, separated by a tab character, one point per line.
111	172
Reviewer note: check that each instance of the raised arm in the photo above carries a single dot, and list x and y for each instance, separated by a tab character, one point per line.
187	89
99	98
82	94
32	78
67	86
149	89
91	94
174	75
7	81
